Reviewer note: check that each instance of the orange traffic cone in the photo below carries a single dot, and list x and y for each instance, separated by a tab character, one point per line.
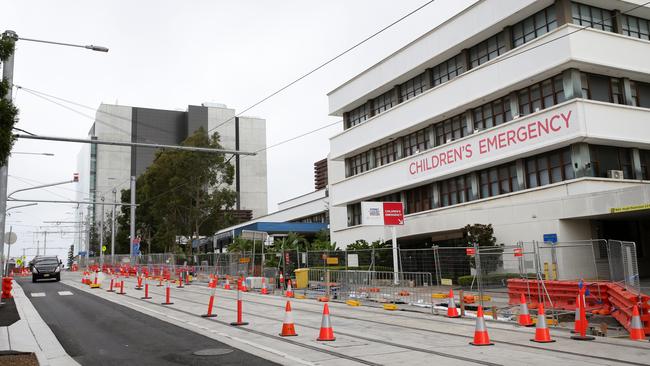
227	285
636	332
326	331
576	317
481	337
452	311
288	329
264	291
289	292
542	334
582	323
524	315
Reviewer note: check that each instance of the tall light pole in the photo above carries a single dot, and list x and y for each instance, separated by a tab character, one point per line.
113	227
132	219
101	236
8	75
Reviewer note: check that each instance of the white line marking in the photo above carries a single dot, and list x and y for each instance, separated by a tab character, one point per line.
65	293
38	294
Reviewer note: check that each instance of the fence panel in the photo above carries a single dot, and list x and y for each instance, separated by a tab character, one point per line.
623	264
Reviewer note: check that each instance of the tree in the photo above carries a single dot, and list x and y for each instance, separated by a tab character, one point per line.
8	112
483	236
182	193
70	255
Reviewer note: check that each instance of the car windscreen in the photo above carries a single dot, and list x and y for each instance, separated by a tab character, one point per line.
47	262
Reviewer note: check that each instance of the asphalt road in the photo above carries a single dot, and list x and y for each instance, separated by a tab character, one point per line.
94	331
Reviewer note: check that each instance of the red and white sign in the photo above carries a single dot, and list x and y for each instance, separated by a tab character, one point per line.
382	213
519	252
510	138
470	251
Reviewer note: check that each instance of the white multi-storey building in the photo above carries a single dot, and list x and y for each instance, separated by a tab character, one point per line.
528	115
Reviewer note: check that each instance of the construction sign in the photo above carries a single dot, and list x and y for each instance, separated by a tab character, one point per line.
332	260
519	252
470	251
245	260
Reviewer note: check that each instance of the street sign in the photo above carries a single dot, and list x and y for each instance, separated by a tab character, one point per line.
11	238
550	238
104	248
19	262
353	260
470	251
245	260
332	260
519	252
382	213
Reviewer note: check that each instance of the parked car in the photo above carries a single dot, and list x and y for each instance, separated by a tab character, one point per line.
46	268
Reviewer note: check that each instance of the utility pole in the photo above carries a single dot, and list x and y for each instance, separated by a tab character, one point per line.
113	227
44	242
132	219
8	75
101	236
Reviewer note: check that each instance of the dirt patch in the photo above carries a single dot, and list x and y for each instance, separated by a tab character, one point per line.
18	359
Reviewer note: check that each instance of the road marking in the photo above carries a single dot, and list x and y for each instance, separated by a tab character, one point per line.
38	294
65	293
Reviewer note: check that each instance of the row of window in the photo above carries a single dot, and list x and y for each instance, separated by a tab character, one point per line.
534	26
540	170
526	30
533	98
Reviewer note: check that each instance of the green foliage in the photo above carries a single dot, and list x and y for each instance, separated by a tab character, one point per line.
8	118
481	234
182	193
70	255
7	46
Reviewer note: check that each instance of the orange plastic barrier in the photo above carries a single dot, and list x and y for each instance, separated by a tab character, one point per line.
604	298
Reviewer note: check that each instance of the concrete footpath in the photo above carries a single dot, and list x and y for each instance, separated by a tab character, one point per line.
31	334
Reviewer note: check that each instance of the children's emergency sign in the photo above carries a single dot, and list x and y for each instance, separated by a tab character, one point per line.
382	213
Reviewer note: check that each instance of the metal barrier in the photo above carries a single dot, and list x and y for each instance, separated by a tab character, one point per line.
623	264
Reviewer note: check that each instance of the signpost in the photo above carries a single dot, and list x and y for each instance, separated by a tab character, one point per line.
9	239
385	214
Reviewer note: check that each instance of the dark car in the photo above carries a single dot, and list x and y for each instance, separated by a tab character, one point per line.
46	268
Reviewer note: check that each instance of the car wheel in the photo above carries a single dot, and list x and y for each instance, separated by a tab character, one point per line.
58	277
33	279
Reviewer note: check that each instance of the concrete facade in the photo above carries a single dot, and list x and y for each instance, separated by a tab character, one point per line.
105	167
395	146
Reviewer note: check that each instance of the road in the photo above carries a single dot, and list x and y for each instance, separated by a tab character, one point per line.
94	331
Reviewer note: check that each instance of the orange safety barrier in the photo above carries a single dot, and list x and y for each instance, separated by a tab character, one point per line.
604	298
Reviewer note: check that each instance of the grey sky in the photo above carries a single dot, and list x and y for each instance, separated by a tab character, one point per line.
168	54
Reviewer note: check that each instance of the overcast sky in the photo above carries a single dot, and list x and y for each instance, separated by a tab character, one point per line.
169	54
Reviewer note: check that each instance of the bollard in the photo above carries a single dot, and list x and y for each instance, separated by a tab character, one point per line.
180	280
167	295
239	310
146	290
6	287
139	286
160	281
121	288
110	289
211	304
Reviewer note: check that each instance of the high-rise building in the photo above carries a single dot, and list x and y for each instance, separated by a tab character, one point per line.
528	115
105	167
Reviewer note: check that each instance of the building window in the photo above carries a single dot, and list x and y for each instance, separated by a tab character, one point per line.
498	180
605	89
447	70
487	50
492	114
549	168
419	199
593	17
385	154
534	26
606	158
635	27
357	115
412	87
640	94
455	190
645	164
415	143
541	95
354	214
450	130
358	164
384	102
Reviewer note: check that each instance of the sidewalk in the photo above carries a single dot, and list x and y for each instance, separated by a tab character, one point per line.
31	334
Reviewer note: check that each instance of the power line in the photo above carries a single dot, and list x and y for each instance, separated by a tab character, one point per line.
278	91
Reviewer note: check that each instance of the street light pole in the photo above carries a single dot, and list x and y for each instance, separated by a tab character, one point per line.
132	219
113	227
101	236
8	75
